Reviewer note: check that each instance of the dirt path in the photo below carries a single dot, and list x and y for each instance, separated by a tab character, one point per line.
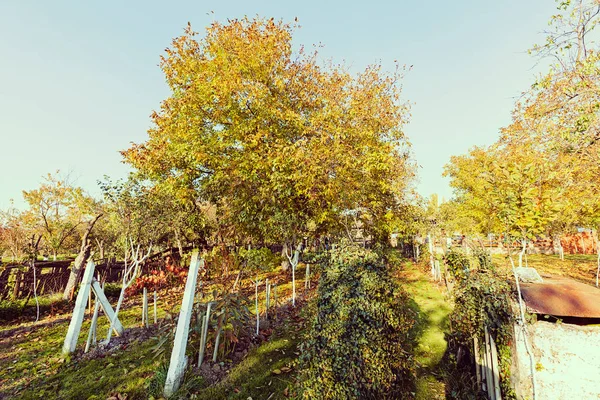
432	322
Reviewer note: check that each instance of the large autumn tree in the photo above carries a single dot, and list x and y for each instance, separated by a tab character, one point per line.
561	112
272	138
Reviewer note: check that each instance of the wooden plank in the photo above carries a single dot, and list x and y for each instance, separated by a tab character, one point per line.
108	310
495	367
178	360
155	307
488	370
145	309
79	312
477	361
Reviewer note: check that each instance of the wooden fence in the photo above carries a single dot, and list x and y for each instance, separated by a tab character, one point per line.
16	280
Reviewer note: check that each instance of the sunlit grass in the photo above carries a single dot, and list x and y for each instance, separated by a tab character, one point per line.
581	267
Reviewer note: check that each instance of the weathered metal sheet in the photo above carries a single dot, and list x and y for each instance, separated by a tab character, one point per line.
562	297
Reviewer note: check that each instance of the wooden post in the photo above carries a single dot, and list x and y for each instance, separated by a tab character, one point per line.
495	367
293	288
79	311
488	370
155	306
106	307
275	299
307	277
90	302
178	359
256	306
92	334
204	334
267	299
218	338
477	361
145	309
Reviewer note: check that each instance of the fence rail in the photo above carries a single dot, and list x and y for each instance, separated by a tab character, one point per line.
16	280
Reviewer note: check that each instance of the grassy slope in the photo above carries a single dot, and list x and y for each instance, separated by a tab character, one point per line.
31	365
432	321
577	266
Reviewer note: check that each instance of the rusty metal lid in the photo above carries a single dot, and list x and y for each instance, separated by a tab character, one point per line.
562	297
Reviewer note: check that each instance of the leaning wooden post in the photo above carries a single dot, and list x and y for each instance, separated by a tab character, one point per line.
218	338
155	306
108	310
79	311
145	309
204	334
90	302
256	306
178	360
92	334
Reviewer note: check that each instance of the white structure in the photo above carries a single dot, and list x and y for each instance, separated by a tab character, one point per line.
178	360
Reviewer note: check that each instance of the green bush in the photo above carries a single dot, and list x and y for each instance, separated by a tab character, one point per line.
483	300
261	259
458	264
358	344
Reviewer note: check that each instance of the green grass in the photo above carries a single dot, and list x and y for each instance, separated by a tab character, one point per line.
581	267
254	376
432	311
31	365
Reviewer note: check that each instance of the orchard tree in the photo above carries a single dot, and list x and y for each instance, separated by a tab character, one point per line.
13	232
59	210
275	141
561	111
516	189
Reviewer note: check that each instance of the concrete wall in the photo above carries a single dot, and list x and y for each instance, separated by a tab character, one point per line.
567	359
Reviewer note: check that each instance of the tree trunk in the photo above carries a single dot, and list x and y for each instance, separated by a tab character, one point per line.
179	245
285	264
100	244
80	261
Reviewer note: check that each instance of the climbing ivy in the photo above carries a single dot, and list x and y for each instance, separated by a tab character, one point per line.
482	299
358	344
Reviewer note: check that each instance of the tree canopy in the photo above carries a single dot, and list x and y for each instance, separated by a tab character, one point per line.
276	141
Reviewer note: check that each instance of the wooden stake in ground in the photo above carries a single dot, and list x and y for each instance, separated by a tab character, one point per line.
216	350
178	360
267	299
107	308
256	283
495	367
307	277
79	312
155	307
145	309
92	334
204	334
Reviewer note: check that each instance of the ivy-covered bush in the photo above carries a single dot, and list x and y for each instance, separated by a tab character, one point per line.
358	345
483	300
458	264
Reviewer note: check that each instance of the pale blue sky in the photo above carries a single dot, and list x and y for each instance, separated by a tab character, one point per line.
78	80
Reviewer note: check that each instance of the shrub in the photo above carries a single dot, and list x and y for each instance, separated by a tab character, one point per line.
358	343
458	263
483	300
261	259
